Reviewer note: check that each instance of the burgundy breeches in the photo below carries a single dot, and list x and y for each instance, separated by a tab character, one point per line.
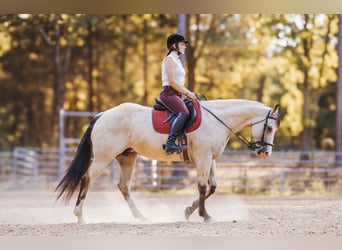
173	100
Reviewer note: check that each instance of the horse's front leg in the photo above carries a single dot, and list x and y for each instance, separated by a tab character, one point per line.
202	189
212	187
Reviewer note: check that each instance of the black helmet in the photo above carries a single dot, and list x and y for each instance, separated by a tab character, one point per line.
174	38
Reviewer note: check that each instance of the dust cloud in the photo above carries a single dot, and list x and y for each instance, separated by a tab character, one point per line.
159	208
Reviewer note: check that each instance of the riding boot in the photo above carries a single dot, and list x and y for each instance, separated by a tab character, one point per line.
176	129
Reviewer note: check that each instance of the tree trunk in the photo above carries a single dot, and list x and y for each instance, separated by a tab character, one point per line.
123	55
307	131
145	61
59	88
191	60
182	30
191	63
58	70
338	159
306	113
90	67
262	80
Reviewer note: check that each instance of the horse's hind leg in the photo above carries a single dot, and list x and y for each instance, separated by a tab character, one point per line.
212	187
127	163
94	171
84	186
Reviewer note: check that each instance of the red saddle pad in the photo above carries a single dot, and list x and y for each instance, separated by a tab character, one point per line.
158	118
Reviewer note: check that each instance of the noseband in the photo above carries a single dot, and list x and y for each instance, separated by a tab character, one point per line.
257	146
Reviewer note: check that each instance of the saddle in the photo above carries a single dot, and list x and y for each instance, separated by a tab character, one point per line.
162	118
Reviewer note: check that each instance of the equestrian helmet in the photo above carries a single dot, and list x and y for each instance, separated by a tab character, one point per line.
174	38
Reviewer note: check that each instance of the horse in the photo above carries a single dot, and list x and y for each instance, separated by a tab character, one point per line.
125	131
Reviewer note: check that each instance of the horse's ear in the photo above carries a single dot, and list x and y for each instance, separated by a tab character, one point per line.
275	109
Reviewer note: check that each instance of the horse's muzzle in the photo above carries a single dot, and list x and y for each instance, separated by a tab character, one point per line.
261	148
263	152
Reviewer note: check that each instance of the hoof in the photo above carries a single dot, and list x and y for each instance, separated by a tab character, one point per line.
188	211
208	219
143	219
81	221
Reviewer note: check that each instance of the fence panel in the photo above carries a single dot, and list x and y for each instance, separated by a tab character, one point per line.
25	165
286	172
243	172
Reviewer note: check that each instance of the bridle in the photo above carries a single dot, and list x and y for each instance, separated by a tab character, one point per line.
257	146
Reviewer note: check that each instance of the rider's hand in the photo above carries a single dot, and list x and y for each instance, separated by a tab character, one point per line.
191	95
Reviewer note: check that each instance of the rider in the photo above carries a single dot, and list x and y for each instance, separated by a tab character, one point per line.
173	89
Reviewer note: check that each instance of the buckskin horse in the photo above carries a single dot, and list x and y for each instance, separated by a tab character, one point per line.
126	130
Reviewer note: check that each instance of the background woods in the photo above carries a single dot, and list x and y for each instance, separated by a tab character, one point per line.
94	62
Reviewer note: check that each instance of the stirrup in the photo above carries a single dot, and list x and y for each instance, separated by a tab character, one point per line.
179	149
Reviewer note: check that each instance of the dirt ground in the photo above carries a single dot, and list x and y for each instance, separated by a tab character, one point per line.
35	213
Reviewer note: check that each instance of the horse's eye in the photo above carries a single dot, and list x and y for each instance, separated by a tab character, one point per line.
269	129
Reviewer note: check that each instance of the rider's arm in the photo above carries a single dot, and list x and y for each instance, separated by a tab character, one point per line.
170	66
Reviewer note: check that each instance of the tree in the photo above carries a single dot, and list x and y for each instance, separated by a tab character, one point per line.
339	96
196	45
28	84
104	60
305	42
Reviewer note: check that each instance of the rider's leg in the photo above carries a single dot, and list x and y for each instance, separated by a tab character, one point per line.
175	103
176	129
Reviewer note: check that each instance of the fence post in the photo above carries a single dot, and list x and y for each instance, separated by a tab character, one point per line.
15	167
61	145
154	169
282	172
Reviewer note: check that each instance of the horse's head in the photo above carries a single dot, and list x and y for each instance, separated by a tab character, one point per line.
263	133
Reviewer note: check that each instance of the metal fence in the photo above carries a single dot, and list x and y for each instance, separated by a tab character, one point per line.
237	171
242	172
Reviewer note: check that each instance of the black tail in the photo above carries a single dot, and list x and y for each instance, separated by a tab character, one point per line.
79	165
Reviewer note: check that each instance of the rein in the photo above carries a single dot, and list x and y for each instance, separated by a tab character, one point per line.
254	146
